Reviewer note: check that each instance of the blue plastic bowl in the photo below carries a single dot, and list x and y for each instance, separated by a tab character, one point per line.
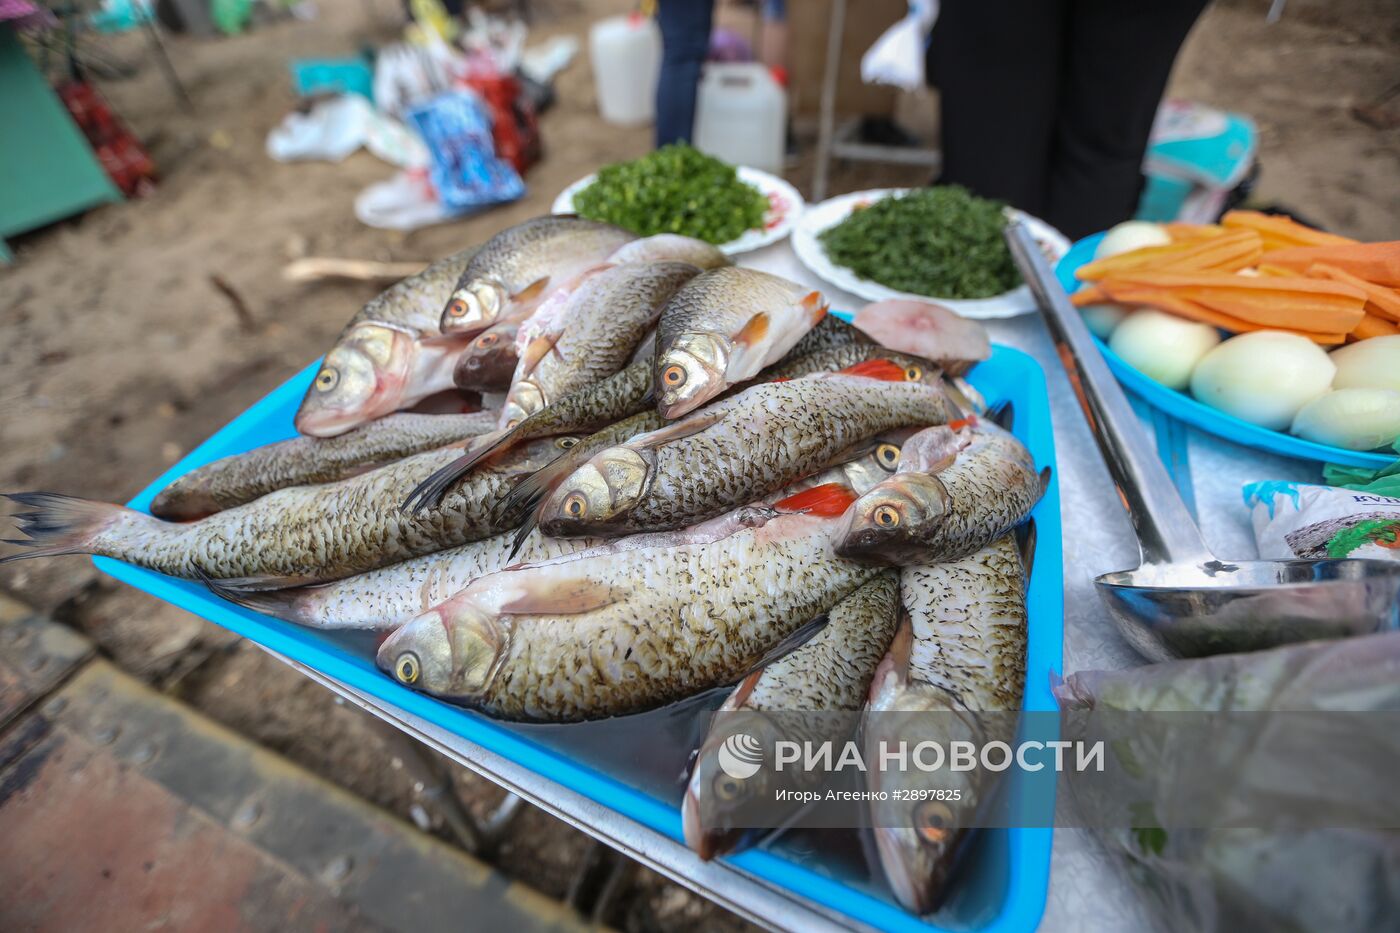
1185	408
1006	887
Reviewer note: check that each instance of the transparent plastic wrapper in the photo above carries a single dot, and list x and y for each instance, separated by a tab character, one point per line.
897	57
1299	520
1295	732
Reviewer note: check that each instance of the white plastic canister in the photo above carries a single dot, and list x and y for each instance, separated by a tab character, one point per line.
626	53
741	115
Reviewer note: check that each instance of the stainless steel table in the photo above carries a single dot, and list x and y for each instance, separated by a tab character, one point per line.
1086	892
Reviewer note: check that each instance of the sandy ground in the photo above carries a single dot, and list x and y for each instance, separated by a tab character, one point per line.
119	355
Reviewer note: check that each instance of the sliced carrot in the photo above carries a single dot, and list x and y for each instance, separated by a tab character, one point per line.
1280	232
1373	326
1377	263
1165	300
1379	299
1296	303
1179	231
1269	269
1089	295
1234	250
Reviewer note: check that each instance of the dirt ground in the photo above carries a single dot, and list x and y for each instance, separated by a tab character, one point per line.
119	354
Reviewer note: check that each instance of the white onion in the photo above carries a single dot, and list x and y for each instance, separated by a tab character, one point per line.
1131	235
1357	419
1161	346
1102	319
1368	364
1263	377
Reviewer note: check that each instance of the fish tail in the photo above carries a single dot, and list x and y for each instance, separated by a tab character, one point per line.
529	493
280	604
57	524
429	493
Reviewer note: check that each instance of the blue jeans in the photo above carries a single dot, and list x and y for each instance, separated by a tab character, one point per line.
685	40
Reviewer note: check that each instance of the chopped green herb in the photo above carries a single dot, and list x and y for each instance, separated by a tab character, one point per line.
942	242
676	189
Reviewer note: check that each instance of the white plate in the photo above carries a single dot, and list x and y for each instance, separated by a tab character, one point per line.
831	212
785	207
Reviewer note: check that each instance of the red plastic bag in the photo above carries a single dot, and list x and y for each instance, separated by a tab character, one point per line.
123	158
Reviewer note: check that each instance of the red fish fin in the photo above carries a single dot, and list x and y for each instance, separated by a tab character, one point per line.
741	693
827	500
969	422
676	430
754	331
570	598
814	303
781	379
884	370
531	291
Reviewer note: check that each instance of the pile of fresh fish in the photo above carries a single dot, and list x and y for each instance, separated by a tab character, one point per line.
693	478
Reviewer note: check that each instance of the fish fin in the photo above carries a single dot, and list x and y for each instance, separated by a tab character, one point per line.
781	379
743	691
570	598
256	583
676	430
57	524
790	643
827	500
538	349
531	291
884	370
814	303
1044	480
1003	415
429	493
970	421
275	603
527	495
753	331
895	663
1025	544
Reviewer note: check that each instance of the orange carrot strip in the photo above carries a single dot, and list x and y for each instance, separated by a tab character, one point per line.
1180	231
1280	232
1172	303
1297	303
1267	269
1088	296
1377	263
1385	301
1373	326
1232	251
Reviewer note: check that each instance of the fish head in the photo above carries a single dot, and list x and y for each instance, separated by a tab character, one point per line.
523	400
691	372
876	462
451	650
475	305
489	360
922	819
892	519
598	493
716	801
361	378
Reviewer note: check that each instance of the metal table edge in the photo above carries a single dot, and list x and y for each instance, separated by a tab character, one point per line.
751	898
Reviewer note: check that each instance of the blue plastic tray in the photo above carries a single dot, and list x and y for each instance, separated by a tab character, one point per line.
1004	889
1185	408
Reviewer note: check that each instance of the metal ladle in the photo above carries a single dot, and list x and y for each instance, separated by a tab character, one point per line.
1182	601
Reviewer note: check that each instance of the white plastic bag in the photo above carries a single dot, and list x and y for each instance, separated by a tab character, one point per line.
897	57
337	127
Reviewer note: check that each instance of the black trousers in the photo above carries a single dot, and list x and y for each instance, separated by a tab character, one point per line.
1047	104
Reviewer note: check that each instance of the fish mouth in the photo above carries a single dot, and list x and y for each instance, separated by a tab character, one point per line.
917	895
706	842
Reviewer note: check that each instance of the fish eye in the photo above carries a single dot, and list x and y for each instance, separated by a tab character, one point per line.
673	375
575	505
887	455
565	443
406	668
726	787
914	373
887	516
487	340
456	307
933	822
326	379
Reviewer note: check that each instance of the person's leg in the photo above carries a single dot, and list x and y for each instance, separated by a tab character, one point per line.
685	38
1118	58
996	64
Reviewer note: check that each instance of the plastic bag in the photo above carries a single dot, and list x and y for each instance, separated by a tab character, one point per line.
337	127
897	57
1217	879
406	201
1298	520
465	170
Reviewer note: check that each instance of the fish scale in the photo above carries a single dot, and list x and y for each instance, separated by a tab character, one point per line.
415	303
768	436
310	534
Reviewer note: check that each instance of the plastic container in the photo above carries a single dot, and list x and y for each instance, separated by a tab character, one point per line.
1002	888
741	115
626	52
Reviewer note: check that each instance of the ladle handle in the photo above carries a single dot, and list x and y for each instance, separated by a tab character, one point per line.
1165	530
